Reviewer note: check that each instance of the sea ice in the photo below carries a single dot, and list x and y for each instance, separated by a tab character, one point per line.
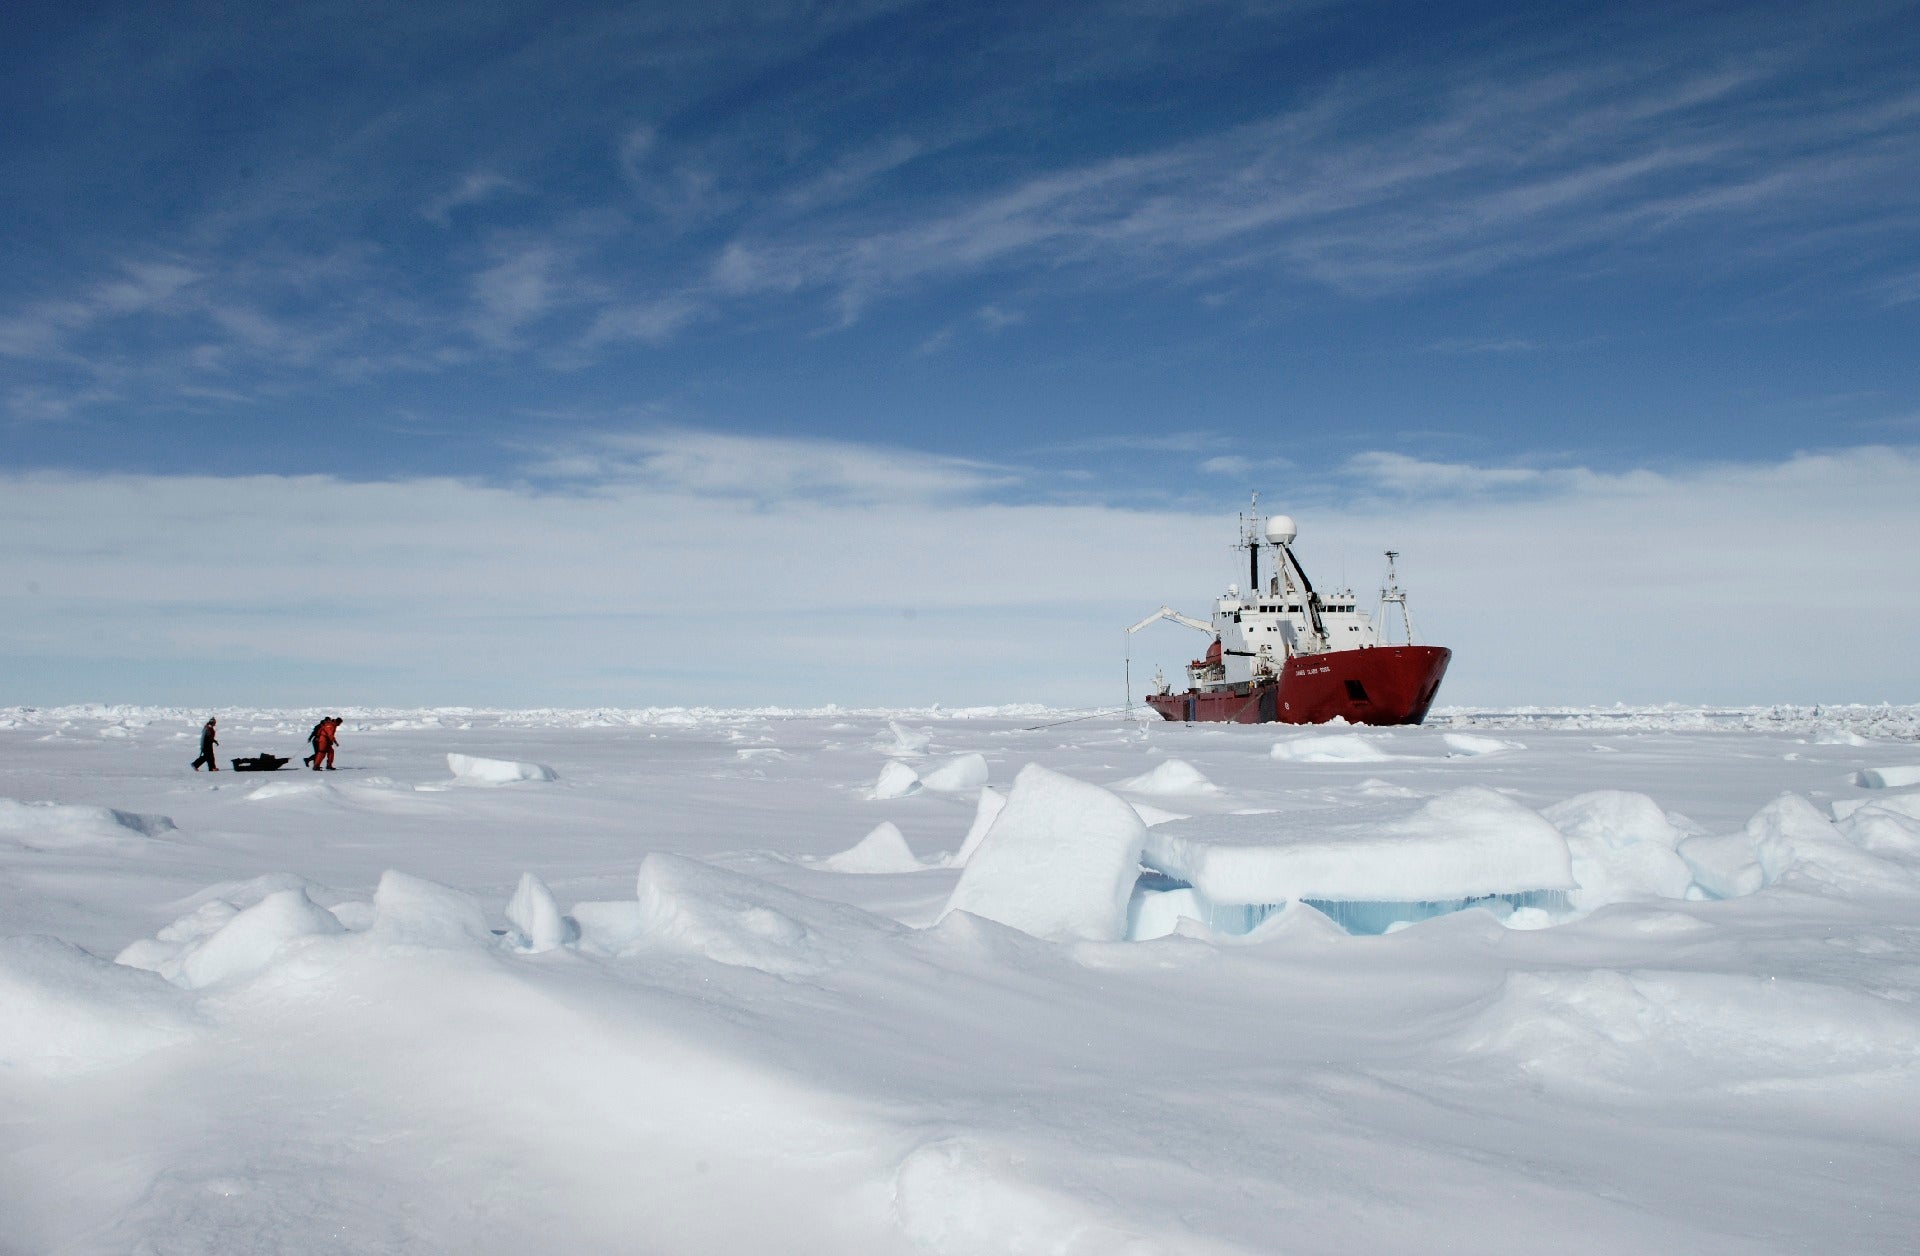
905	742
1883	830
498	771
962	772
58	826
1333	748
1789	833
885	849
253	939
694	908
1059	862
1471	745
535	916
1888	778
414	911
1622	845
289	789
67	1012
896	780
1173	777
1466	843
985	811
1688	1029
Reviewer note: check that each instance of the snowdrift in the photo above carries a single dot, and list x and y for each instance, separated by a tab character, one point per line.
57	826
497	771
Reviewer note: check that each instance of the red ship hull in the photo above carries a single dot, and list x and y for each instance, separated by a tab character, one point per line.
1389	684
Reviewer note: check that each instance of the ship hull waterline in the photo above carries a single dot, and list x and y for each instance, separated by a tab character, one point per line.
1380	685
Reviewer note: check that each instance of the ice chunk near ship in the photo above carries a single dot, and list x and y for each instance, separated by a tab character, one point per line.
498	771
1060	861
1369	866
985	811
1175	776
896	780
1787	835
958	774
537	923
1623	848
883	850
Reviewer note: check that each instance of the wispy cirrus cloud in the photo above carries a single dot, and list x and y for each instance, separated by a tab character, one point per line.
739	191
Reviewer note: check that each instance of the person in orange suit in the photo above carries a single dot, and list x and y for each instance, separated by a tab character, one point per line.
324	738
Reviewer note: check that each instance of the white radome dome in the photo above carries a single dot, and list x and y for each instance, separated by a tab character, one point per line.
1281	530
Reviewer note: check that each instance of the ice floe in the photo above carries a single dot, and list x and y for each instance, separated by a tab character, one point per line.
1059	861
957	775
896	780
1467	843
1622	845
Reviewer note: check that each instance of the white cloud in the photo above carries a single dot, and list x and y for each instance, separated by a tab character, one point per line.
731	570
763	469
475	187
517	289
1379	471
1239	466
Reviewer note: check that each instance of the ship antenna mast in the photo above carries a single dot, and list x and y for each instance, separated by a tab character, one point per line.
1393	595
1250	541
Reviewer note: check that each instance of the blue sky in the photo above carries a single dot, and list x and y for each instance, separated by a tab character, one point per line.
906	262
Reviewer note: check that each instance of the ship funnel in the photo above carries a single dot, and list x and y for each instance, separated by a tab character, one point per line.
1281	530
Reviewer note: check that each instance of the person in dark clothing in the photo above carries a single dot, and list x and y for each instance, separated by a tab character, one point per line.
324	738
207	742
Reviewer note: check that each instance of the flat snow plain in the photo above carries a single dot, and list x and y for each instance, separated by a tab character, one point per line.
726	1015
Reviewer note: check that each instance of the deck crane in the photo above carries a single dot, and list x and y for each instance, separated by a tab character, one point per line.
1165	612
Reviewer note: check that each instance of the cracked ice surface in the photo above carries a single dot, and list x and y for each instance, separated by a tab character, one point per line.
700	991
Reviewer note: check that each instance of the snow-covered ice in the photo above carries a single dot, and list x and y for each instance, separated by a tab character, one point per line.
1175	776
1672	981
1465	843
1059	861
960	773
497	771
896	780
883	850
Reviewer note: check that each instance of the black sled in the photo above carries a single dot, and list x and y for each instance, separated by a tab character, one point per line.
260	763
